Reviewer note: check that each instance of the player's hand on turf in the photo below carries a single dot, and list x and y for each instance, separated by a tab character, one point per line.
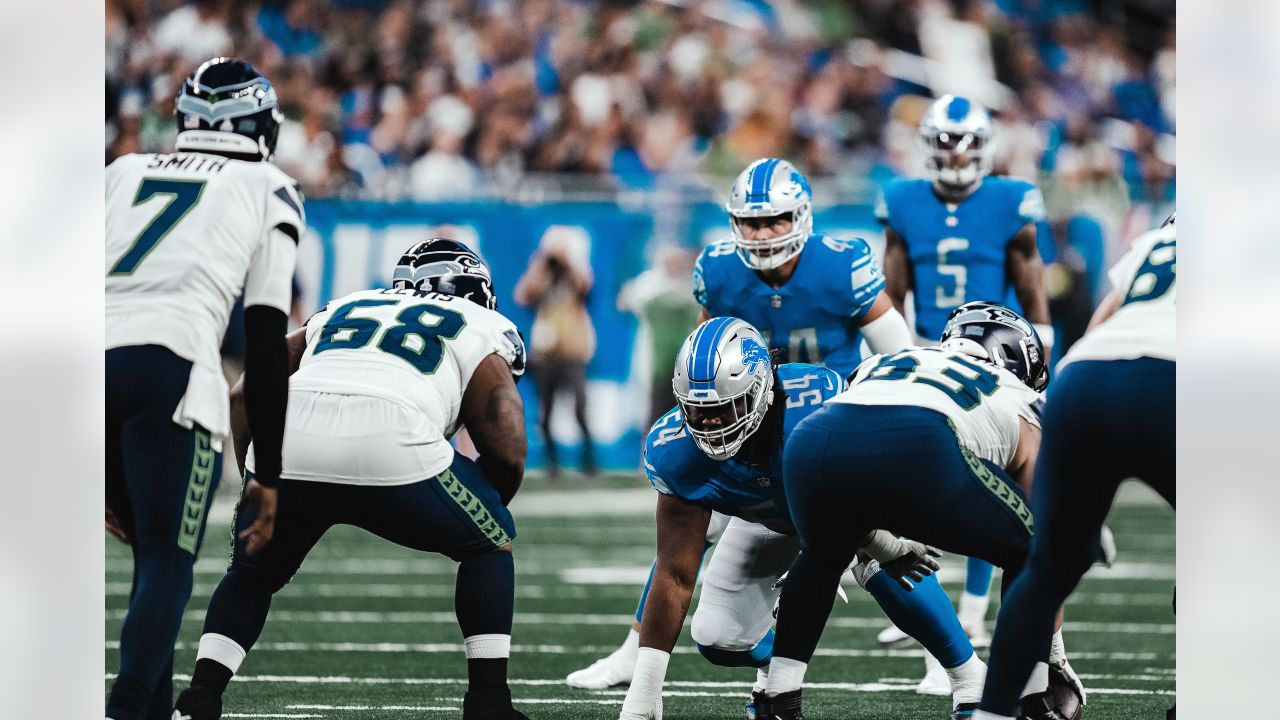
654	712
113	527
915	563
257	535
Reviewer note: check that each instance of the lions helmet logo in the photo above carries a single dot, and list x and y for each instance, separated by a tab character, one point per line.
754	354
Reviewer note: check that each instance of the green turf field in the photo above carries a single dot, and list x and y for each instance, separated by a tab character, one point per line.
366	629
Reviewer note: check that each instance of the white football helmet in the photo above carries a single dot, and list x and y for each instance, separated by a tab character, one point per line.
767	188
956	133
724	384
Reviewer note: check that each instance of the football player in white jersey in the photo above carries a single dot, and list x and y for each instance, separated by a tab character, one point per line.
186	234
381	380
935	444
1115	395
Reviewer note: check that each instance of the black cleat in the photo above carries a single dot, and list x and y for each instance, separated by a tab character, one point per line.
753	703
1039	706
198	703
963	711
490	704
784	706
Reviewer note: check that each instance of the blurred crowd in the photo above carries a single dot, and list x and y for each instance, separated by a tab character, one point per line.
455	99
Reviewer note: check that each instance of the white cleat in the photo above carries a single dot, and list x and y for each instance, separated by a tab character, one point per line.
978	634
893	636
935	680
616	669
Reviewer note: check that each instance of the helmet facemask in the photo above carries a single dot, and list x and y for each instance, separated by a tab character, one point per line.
721	426
957	160
776	251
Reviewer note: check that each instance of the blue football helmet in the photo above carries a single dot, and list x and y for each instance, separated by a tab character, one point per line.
993	333
227	106
724	383
447	267
768	188
956	134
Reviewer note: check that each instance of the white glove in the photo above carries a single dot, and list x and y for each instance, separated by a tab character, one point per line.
903	560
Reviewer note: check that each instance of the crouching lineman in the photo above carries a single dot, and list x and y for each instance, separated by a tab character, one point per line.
721	450
382	379
1116	396
927	443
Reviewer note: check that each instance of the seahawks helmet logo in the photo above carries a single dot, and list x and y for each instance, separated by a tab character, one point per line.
754	354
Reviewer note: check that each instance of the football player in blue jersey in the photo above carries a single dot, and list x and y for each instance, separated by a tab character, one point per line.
954	237
814	298
720	450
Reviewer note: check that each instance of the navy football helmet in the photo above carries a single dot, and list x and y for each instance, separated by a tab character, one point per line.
994	333
227	106
447	267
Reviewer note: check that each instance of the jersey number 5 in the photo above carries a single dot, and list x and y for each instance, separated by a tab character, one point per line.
418	344
184	194
956	271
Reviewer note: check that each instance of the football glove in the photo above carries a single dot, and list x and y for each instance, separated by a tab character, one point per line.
904	560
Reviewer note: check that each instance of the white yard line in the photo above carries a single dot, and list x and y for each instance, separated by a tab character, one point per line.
609	697
458	648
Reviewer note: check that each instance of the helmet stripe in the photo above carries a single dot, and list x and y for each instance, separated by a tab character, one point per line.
958	109
760	178
702	353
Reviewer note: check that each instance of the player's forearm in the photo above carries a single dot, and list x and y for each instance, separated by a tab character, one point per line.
266	387
240	434
665	609
501	441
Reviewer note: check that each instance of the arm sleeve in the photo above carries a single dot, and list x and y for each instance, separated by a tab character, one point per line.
266	384
888	333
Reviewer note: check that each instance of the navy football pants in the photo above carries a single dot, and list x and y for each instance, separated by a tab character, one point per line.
1104	421
457	513
160	480
853	468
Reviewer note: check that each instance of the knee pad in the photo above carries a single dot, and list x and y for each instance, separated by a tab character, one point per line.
716	627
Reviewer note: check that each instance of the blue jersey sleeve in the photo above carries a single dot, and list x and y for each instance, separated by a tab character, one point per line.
857	274
699	280
867	278
663	454
1028	200
710	279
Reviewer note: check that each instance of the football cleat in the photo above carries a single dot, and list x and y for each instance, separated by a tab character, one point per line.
753	703
491	704
935	680
614	669
783	706
198	703
978	634
893	637
963	711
